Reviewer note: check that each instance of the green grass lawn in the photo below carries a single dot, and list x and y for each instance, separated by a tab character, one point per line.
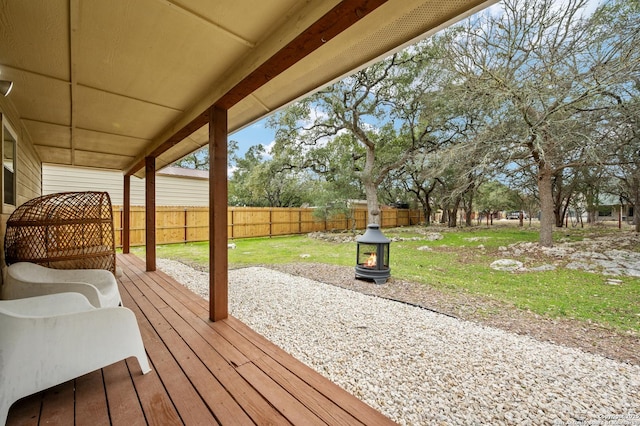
457	263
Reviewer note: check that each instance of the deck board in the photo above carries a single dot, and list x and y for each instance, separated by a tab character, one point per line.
58	405
124	406
26	412
188	404
202	373
219	393
91	400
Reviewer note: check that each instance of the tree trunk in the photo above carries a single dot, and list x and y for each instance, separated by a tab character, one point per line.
547	216
468	217
426	209
427	215
468	211
453	219
453	214
565	211
370	186
373	207
636	204
590	206
557	214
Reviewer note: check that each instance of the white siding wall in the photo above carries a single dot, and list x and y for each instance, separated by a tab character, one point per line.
28	170
170	190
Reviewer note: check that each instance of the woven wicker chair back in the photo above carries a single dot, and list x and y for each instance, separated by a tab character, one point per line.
67	230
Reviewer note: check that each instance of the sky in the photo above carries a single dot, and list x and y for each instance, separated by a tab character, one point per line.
259	133
256	133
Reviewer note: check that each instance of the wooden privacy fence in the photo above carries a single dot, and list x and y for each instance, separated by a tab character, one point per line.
189	224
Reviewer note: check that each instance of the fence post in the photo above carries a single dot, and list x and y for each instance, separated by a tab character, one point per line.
232	222
186	226
121	227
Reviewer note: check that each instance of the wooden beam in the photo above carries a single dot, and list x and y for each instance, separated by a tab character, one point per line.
179	136
150	211
218	261
126	215
341	17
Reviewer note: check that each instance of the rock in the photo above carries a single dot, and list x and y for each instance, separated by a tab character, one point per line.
556	251
425	248
433	236
334	237
506	265
472	239
588	255
607	264
581	265
542	268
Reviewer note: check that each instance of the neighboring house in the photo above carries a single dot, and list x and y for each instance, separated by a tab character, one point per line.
610	207
175	186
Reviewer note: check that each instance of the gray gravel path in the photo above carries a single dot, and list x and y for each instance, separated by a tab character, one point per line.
421	368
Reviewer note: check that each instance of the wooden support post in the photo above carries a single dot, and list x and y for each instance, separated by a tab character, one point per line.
150	211
218	261
126	215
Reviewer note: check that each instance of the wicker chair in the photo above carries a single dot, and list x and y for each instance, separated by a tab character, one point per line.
67	230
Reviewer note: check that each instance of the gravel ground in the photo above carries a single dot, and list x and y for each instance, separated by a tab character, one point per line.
419	367
588	337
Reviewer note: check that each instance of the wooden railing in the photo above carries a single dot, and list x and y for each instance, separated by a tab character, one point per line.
188	224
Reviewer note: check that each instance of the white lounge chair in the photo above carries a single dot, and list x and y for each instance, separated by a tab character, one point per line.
25	279
48	340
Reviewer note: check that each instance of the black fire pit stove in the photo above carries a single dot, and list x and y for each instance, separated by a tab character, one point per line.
372	262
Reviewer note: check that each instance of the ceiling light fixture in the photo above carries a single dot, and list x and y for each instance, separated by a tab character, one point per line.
5	87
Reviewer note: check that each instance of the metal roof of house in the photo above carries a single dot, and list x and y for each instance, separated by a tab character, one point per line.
107	83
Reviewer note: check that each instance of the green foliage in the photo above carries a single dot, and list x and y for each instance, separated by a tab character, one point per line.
261	181
495	196
363	128
198	160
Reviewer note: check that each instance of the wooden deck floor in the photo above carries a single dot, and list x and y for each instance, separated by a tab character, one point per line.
203	373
